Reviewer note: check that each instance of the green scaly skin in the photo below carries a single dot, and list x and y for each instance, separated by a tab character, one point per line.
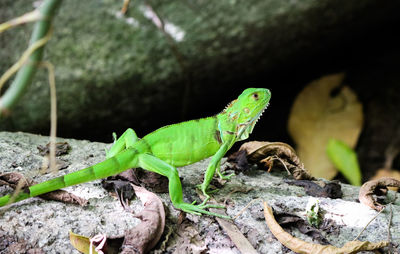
169	147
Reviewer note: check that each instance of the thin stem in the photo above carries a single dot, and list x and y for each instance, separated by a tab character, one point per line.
53	115
27	17
28	52
26	72
355	239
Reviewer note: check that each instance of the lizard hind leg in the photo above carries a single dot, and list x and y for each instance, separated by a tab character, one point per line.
154	164
127	139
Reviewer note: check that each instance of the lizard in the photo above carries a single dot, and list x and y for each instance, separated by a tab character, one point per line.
171	146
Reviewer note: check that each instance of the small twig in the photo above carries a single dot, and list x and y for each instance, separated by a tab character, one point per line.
275	157
53	115
390	222
28	52
125	7
25	18
244	208
369	223
21	183
45	164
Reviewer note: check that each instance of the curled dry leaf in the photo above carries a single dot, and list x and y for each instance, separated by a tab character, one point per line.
141	238
145	236
303	247
316	117
269	153
65	197
392	173
392	151
377	187
12	180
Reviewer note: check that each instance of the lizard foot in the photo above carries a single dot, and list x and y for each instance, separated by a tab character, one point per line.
200	209
225	177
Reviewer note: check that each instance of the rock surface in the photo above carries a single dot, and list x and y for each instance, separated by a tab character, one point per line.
45	224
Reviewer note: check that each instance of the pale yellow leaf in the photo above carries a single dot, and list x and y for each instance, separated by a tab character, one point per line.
316	117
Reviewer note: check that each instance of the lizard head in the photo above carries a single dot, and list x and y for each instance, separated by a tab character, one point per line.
247	109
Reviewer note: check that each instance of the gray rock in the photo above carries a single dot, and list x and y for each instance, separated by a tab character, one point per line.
45	224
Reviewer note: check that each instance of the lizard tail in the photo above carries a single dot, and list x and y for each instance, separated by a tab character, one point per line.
112	166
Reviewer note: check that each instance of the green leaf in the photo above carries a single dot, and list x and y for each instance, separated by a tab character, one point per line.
345	160
81	243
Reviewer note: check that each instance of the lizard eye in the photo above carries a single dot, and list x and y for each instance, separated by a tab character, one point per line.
255	96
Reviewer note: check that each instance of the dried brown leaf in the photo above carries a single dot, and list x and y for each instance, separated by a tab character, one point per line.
376	187
235	235
383	172
12	180
145	236
316	117
303	247
269	153
65	197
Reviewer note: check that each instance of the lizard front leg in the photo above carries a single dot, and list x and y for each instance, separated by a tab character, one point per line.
214	165
154	164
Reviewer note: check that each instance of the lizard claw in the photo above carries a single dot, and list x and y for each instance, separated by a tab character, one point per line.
199	209
225	177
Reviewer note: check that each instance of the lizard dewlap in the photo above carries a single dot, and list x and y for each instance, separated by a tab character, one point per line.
169	147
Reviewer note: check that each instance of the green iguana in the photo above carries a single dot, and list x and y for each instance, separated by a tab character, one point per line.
169	147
